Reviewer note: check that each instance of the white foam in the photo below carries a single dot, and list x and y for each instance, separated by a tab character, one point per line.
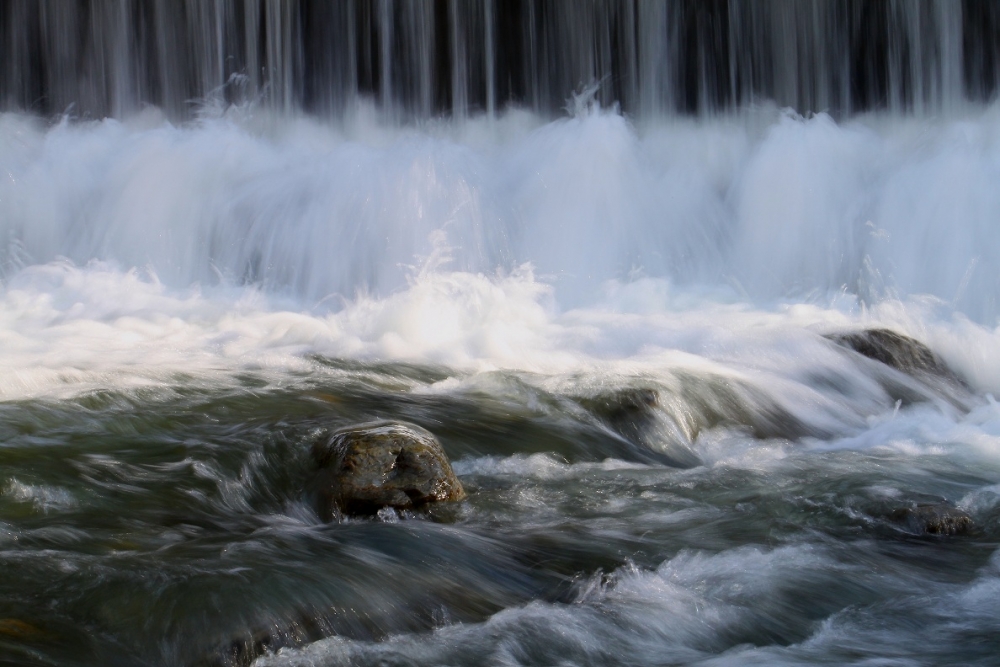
42	498
771	204
66	330
583	253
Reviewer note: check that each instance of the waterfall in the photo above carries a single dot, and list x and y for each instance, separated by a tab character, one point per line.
421	59
700	297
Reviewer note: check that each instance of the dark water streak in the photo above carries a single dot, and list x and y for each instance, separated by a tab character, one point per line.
422	59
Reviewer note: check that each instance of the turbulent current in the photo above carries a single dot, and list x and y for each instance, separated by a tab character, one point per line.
631	336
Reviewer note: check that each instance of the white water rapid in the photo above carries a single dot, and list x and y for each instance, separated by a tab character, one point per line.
507	243
712	350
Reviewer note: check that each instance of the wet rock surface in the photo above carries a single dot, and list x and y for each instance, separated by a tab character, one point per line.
365	468
897	351
913	373
933	519
241	651
662	424
636	414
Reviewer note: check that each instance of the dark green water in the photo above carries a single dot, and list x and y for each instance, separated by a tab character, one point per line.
168	527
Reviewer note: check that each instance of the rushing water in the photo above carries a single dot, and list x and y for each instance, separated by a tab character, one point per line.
428	57
620	325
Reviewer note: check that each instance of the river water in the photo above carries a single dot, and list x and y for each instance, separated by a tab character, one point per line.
179	326
621	321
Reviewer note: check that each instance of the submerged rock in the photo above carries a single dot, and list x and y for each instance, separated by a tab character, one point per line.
243	648
897	351
911	372
933	519
363	469
661	425
636	414
627	411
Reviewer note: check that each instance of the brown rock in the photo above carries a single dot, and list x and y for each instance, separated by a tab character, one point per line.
385	464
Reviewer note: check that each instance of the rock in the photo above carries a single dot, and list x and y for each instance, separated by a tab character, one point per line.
663	424
896	351
625	404
630	411
917	375
636	414
385	464
936	519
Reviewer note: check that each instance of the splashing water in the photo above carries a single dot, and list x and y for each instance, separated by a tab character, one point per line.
646	341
